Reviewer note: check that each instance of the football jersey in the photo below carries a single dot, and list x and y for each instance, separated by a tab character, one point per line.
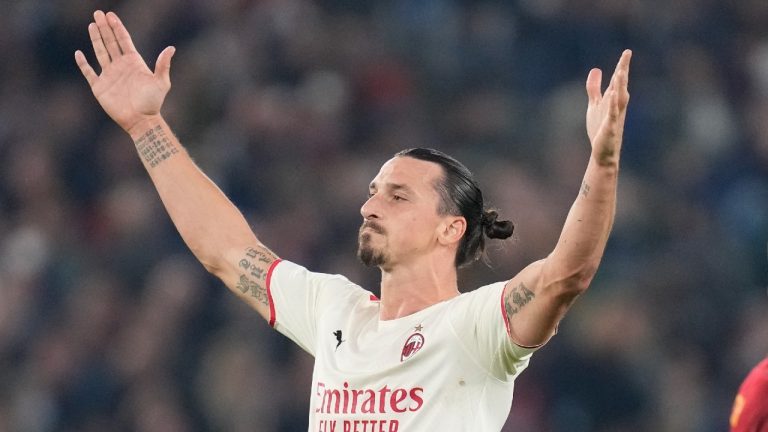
448	367
750	409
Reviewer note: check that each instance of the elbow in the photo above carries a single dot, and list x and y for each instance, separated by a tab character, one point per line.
212	268
213	264
574	281
582	276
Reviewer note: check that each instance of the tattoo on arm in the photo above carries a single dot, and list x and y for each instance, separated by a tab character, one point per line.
254	265
155	147
585	189
516	298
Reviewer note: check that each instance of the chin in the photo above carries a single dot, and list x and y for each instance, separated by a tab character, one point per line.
370	256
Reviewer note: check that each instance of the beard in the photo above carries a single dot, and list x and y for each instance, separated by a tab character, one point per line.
369	255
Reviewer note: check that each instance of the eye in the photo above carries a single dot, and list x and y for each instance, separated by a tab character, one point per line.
398	198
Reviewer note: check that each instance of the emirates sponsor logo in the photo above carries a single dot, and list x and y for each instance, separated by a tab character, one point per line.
384	400
412	345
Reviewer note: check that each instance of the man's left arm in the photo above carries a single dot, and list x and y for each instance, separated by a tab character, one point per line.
537	298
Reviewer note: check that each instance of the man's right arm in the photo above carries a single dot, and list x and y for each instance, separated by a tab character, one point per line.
213	228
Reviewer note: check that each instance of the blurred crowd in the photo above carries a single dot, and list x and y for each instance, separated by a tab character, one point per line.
107	323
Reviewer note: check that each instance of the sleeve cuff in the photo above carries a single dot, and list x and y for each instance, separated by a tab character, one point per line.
272	315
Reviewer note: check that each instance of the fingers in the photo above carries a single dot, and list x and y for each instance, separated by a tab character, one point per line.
85	68
619	81
163	65
121	33
615	114
594	80
109	38
623	64
621	73
107	35
613	110
610	125
98	45
622	79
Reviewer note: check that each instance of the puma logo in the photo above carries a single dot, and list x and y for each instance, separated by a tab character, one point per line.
339	340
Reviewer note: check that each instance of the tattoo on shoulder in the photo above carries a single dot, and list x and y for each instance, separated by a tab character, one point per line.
254	266
516	298
154	147
585	189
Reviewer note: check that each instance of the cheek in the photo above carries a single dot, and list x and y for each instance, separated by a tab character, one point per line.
417	231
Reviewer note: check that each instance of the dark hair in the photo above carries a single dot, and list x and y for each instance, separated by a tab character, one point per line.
460	196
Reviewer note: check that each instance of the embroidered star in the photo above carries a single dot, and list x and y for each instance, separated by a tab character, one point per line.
418	328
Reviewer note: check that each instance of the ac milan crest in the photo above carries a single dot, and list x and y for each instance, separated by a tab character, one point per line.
412	345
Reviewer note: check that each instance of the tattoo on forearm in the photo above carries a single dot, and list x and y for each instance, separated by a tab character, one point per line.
255	263
585	189
516	298
155	147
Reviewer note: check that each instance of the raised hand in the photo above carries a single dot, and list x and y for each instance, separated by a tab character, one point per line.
606	111
127	90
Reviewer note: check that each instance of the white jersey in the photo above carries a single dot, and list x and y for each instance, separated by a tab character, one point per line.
449	367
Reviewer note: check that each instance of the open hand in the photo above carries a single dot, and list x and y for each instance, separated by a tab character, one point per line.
606	111
127	90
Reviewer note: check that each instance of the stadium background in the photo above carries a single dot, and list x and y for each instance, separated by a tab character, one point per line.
107	323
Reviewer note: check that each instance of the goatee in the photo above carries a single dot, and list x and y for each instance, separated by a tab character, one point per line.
370	256
365	252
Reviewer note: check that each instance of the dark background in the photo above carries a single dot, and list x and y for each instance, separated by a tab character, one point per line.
291	106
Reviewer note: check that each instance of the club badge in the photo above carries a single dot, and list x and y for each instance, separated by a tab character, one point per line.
412	345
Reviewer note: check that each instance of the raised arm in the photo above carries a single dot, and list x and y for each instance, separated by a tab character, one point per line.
212	227
539	296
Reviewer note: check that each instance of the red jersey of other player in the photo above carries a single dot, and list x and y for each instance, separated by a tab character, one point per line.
750	409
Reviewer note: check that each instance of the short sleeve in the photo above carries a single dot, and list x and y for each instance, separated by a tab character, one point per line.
299	298
478	322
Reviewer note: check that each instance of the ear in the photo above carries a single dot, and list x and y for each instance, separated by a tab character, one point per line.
451	230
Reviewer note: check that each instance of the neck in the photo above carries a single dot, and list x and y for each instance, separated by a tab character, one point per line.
408	289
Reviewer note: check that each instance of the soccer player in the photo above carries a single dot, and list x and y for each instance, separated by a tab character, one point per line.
750	409
423	356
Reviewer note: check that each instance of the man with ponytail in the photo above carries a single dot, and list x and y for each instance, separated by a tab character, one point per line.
423	357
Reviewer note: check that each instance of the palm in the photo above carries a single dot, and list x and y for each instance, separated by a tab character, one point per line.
127	89
606	112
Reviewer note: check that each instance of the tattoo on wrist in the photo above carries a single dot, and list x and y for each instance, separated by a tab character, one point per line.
154	147
584	189
516	298
255	264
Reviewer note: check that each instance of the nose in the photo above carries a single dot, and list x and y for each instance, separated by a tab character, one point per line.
370	209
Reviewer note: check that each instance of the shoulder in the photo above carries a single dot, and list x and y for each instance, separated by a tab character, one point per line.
288	273
481	304
481	296
478	320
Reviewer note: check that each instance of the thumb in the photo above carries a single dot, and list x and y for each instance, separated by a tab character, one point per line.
163	65
594	80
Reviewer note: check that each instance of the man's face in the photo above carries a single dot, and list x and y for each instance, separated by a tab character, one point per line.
400	218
